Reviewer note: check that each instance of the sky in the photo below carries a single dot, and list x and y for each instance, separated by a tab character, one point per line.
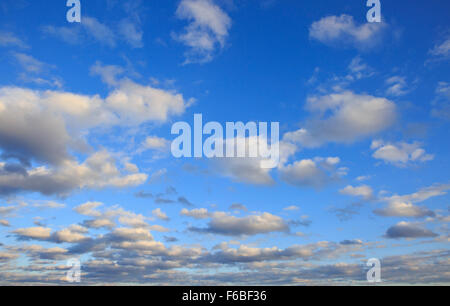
87	172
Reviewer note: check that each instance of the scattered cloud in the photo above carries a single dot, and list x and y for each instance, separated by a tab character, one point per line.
314	173
207	30
397	86
400	154
363	191
343	31
343	118
408	231
404	205
440	51
224	224
8	39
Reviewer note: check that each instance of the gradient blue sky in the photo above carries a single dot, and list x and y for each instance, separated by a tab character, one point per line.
86	171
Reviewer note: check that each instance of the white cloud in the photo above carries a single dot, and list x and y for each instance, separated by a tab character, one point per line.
225	224
343	118
39	233
344	31
89	209
364	191
97	171
402	209
403	205
158	213
8	39
155	143
201	213
400	154
310	173
397	86
207	30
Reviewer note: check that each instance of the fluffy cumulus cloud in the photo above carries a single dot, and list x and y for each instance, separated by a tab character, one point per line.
225	224
98	171
38	129
364	192
207	30
343	118
409	231
400	154
344	31
315	173
404	205
249	170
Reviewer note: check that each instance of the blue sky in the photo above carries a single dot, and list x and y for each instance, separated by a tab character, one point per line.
86	172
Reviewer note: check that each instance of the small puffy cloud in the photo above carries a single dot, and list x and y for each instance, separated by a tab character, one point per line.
201	213
343	118
38	233
244	170
224	224
404	205
98	171
155	143
89	209
131	234
310	173
364	192
344	31
400	154
402	209
5	223
68	235
408	231
158	213
207	30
